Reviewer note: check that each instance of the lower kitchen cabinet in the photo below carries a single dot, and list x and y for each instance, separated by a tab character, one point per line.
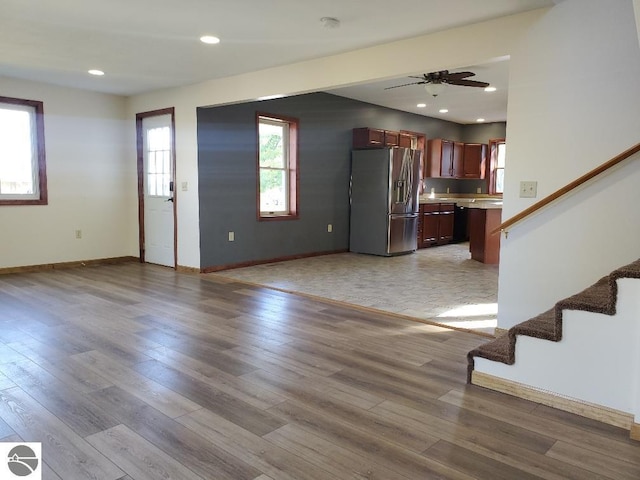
436	224
484	245
430	215
445	223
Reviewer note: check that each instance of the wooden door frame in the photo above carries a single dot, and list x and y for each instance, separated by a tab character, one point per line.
140	165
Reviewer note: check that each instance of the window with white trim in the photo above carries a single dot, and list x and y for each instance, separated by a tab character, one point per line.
23	179
277	167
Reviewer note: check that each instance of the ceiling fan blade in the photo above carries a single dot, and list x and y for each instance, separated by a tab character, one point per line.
468	83
405	85
460	75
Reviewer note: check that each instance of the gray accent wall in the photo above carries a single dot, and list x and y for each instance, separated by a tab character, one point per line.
227	149
483	132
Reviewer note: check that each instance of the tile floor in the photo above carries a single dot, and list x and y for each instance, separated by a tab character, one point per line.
439	284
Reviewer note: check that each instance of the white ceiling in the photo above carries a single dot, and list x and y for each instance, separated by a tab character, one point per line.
144	45
465	104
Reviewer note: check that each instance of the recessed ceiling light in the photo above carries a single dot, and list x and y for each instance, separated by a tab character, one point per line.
443	110
209	39
96	72
480	120
421	105
490	89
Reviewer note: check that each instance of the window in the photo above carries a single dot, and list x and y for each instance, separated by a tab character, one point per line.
498	149
23	178
277	167
159	162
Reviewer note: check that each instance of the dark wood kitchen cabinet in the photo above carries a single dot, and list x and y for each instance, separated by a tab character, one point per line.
391	139
445	223
378	138
430	214
484	245
405	140
448	159
368	138
474	160
444	158
436	224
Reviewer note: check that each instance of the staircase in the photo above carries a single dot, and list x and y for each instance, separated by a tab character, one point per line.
600	298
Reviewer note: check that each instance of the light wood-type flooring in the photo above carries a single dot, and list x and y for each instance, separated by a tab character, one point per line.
137	372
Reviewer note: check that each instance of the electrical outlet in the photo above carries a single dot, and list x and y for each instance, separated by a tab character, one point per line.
78	234
528	189
232	236
185	186
329	228
479	190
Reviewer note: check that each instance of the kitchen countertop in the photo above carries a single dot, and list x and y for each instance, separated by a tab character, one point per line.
480	201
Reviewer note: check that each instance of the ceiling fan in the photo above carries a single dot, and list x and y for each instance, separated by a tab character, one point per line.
434	82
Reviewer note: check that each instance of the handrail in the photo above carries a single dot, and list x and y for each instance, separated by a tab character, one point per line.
566	189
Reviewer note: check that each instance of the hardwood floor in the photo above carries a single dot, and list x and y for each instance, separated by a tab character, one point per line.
137	372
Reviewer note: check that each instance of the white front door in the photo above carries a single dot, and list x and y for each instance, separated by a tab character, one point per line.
157	140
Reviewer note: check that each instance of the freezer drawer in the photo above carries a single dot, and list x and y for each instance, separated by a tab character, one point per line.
402	234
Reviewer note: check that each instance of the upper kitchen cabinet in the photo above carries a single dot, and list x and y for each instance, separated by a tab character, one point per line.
405	140
368	138
391	139
474	160
378	138
448	159
444	158
375	138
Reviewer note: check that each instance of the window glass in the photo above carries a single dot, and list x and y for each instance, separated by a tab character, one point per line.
499	171
498	149
159	164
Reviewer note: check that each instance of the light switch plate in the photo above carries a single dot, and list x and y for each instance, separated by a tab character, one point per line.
528	189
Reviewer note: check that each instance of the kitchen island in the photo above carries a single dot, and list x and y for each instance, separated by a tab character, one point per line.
485	215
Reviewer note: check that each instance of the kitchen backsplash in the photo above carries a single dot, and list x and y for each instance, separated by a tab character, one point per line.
440	185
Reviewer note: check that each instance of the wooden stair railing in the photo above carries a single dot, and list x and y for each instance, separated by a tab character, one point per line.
566	189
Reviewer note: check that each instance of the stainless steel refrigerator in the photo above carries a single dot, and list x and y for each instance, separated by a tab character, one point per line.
384	201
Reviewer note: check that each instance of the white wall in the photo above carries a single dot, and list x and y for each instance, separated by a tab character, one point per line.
454	48
91	182
574	102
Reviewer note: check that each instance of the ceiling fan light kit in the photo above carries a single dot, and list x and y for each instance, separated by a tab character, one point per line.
330	22
434	89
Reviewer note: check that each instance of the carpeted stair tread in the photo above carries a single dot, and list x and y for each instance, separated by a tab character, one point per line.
601	297
498	348
501	349
628	271
598	298
543	326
